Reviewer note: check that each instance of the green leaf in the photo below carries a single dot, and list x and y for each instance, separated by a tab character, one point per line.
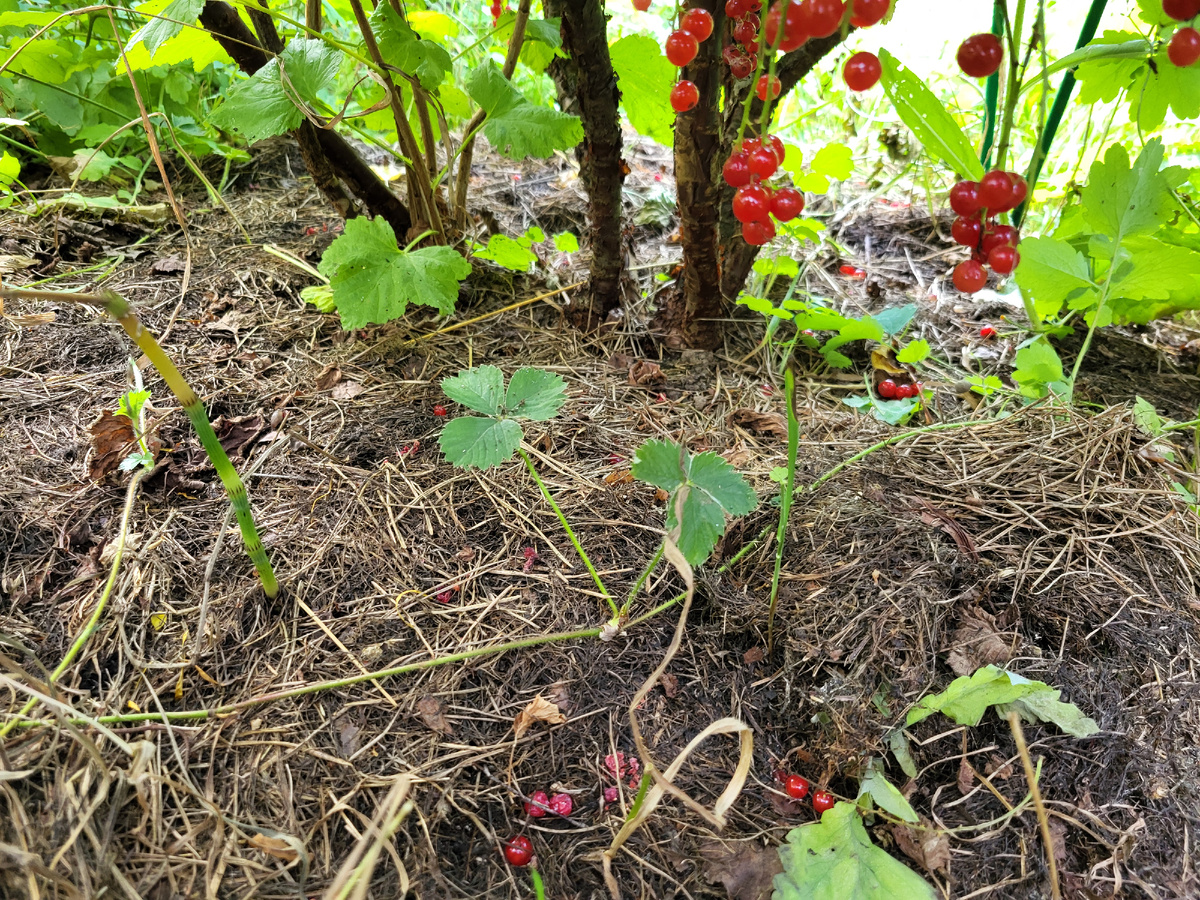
1043	705
261	106
885	794
1037	366
1120	200
474	441
913	352
401	47
967	698
547	31
10	168
507	252
645	78
657	462
1052	273
833	160
535	394
130	404
515	127
480	389
927	117
713	476
1101	79
158	31
898	743
1147	417
566	243
834	859
320	296
374	281
895	320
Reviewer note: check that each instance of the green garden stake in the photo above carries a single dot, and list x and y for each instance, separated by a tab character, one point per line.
116	306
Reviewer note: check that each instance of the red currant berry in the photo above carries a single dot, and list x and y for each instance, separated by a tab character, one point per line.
904	391
796	787
698	23
439	410
794	33
763	82
775	144
641	5
531	807
980	55
987	331
967	230
518	851
822	801
964	198
969	276
1002	234
824	17
741	67
758	233
745	32
1181	10
684	96
737	170
735	9
751	204
681	48
1003	259
1020	188
561	804
786	204
887	389
862	71
996	191
865	13
763	162
1184	48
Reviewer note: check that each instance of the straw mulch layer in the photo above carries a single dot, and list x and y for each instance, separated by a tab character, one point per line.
1051	542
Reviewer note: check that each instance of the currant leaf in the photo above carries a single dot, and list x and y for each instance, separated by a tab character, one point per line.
515	127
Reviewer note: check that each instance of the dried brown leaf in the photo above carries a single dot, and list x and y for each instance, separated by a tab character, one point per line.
273	846
236	433
539	710
747	870
977	642
753	655
966	777
928	848
168	265
328	377
881	359
433	713
112	440
645	372
670	685
346	390
758	422
620	476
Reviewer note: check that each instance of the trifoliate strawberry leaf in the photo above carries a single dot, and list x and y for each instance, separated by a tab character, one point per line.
886	795
895	320
373	280
480	389
262	107
1043	705
479	442
834	859
714	490
516	127
645	77
967	698
169	21
401	47
659	463
1052	274
535	394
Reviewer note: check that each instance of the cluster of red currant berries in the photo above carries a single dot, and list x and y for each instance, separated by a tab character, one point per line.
977	204
756	205
681	48
1184	49
560	804
498	7
796	787
742	54
892	390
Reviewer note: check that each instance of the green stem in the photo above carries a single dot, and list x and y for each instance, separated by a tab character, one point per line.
992	94
644	577
119	309
785	499
1011	90
570	533
539	889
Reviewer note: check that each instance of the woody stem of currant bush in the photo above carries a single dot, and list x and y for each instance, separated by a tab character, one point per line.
113	304
785	499
1012	88
420	179
570	533
467	152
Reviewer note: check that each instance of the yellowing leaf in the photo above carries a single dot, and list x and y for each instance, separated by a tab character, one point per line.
158	620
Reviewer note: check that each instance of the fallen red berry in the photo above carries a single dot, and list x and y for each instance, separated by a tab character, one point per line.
561	804
904	391
796	787
987	331
681	48
888	389
980	55
684	96
444	596
518	851
439	410
852	271
611	794
531	805
969	276
821	801
698	23
862	71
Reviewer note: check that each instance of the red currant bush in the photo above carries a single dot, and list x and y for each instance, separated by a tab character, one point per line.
980	55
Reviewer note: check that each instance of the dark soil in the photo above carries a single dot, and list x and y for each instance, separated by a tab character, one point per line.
1056	532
